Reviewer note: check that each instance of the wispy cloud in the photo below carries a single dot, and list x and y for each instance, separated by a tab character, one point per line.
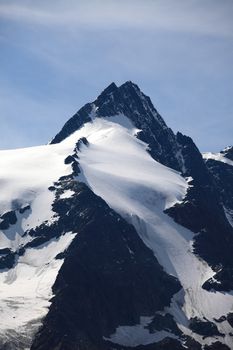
210	17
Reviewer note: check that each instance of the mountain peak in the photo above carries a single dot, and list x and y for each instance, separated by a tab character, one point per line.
113	94
127	100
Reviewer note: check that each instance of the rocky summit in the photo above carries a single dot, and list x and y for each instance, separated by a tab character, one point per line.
118	234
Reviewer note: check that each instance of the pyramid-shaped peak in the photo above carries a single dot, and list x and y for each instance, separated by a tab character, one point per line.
113	88
126	99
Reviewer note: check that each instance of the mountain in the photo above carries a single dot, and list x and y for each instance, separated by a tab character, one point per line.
116	235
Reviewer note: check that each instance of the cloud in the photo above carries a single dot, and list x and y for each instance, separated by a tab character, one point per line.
70	35
210	17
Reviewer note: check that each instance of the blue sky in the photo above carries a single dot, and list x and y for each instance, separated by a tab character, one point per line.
57	55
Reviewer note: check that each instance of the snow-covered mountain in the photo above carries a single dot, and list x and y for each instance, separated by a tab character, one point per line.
116	235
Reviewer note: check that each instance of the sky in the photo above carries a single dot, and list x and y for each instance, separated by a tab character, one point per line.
57	55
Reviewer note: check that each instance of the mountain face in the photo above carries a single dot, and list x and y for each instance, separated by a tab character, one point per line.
129	101
116	235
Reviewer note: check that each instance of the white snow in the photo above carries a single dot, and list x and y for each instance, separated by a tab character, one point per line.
26	289
25	175
217	156
115	154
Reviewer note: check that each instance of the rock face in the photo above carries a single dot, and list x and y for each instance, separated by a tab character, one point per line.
204	327
203	213
223	179
109	277
222	175
112	284
7	219
128	100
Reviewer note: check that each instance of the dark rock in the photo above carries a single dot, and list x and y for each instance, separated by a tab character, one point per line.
230	319
69	160
8	219
220	319
164	322
21	251
5	251
80	142
7	261
25	208
223	179
138	107
216	346
221	281
75	168
204	327
52	188
61	255
202	212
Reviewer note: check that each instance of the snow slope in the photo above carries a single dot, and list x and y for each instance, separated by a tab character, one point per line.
25	175
117	167
26	289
